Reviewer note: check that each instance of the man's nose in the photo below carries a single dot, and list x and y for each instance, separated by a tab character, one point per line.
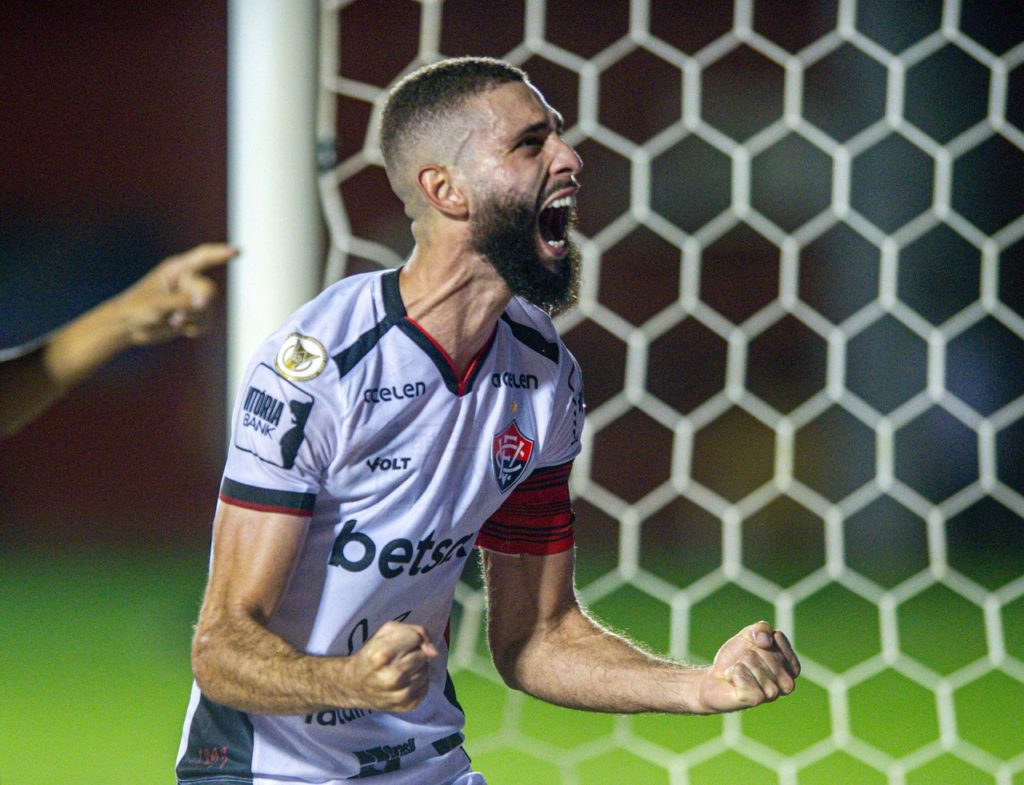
566	161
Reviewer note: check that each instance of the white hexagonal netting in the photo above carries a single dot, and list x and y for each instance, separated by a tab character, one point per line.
802	334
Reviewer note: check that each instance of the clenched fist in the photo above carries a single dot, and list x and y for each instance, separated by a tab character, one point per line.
391	671
755	666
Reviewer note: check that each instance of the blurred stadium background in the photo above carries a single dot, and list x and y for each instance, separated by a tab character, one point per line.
802	333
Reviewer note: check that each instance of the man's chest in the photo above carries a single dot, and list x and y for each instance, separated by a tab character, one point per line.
430	444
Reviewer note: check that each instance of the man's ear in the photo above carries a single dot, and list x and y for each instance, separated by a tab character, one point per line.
436	185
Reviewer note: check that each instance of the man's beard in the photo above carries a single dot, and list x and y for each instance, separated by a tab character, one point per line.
504	233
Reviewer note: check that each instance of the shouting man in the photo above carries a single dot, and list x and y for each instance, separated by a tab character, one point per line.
391	424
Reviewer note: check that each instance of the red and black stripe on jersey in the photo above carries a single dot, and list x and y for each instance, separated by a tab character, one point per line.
536	518
265	500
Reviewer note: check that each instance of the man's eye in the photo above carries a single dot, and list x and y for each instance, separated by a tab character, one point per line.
532	141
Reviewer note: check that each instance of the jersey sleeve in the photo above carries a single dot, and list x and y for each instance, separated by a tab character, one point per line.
563	441
536	518
281	429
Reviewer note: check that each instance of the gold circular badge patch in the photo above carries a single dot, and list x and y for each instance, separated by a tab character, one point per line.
301	358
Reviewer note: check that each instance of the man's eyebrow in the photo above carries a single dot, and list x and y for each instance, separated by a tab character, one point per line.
535	128
542	125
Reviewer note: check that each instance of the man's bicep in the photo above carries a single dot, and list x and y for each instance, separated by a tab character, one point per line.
528	592
254	554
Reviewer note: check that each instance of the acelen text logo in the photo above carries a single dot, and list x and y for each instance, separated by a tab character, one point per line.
511	453
395	393
518	381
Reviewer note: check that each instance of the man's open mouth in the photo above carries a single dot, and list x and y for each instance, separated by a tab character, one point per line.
553	224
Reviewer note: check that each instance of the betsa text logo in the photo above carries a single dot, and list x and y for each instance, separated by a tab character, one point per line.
383	394
518	381
356	551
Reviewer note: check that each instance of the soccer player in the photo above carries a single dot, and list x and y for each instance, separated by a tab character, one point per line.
391	424
172	299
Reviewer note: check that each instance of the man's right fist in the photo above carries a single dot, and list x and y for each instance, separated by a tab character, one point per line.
391	671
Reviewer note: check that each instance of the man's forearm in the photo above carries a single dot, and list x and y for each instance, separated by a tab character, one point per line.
580	665
31	383
83	346
170	300
241	664
251	669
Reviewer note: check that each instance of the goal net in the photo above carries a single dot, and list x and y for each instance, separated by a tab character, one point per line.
802	335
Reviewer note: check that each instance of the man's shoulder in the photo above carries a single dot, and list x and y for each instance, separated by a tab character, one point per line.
339	314
535	328
311	339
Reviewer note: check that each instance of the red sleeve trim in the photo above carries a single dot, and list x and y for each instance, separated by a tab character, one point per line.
536	518
252	497
266	507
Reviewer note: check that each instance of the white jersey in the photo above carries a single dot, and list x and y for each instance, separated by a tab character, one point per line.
351	414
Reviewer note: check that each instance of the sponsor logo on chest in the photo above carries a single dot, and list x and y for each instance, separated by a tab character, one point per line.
517	381
380	463
394	393
356	551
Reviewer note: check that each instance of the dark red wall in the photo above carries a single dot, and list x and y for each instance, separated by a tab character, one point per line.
114	155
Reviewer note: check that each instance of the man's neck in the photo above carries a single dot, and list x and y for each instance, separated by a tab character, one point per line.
457	297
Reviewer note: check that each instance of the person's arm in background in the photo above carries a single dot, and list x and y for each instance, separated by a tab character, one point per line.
172	299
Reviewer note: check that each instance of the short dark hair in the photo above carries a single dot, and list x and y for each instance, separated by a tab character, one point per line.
428	94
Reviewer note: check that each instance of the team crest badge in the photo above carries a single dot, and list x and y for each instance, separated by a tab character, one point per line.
301	358
511	455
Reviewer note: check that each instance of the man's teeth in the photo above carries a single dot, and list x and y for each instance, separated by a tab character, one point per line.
556	222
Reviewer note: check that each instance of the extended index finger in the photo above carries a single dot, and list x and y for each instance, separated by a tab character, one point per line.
207	255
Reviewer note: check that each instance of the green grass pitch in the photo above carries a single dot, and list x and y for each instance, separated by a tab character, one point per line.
95	679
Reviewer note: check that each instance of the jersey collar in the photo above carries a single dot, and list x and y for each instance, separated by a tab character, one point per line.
396	314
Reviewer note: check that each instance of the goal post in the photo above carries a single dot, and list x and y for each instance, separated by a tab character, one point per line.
273	204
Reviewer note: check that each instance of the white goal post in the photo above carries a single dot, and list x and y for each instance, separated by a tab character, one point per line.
273	206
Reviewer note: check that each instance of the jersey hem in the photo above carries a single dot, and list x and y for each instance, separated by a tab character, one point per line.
266	507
